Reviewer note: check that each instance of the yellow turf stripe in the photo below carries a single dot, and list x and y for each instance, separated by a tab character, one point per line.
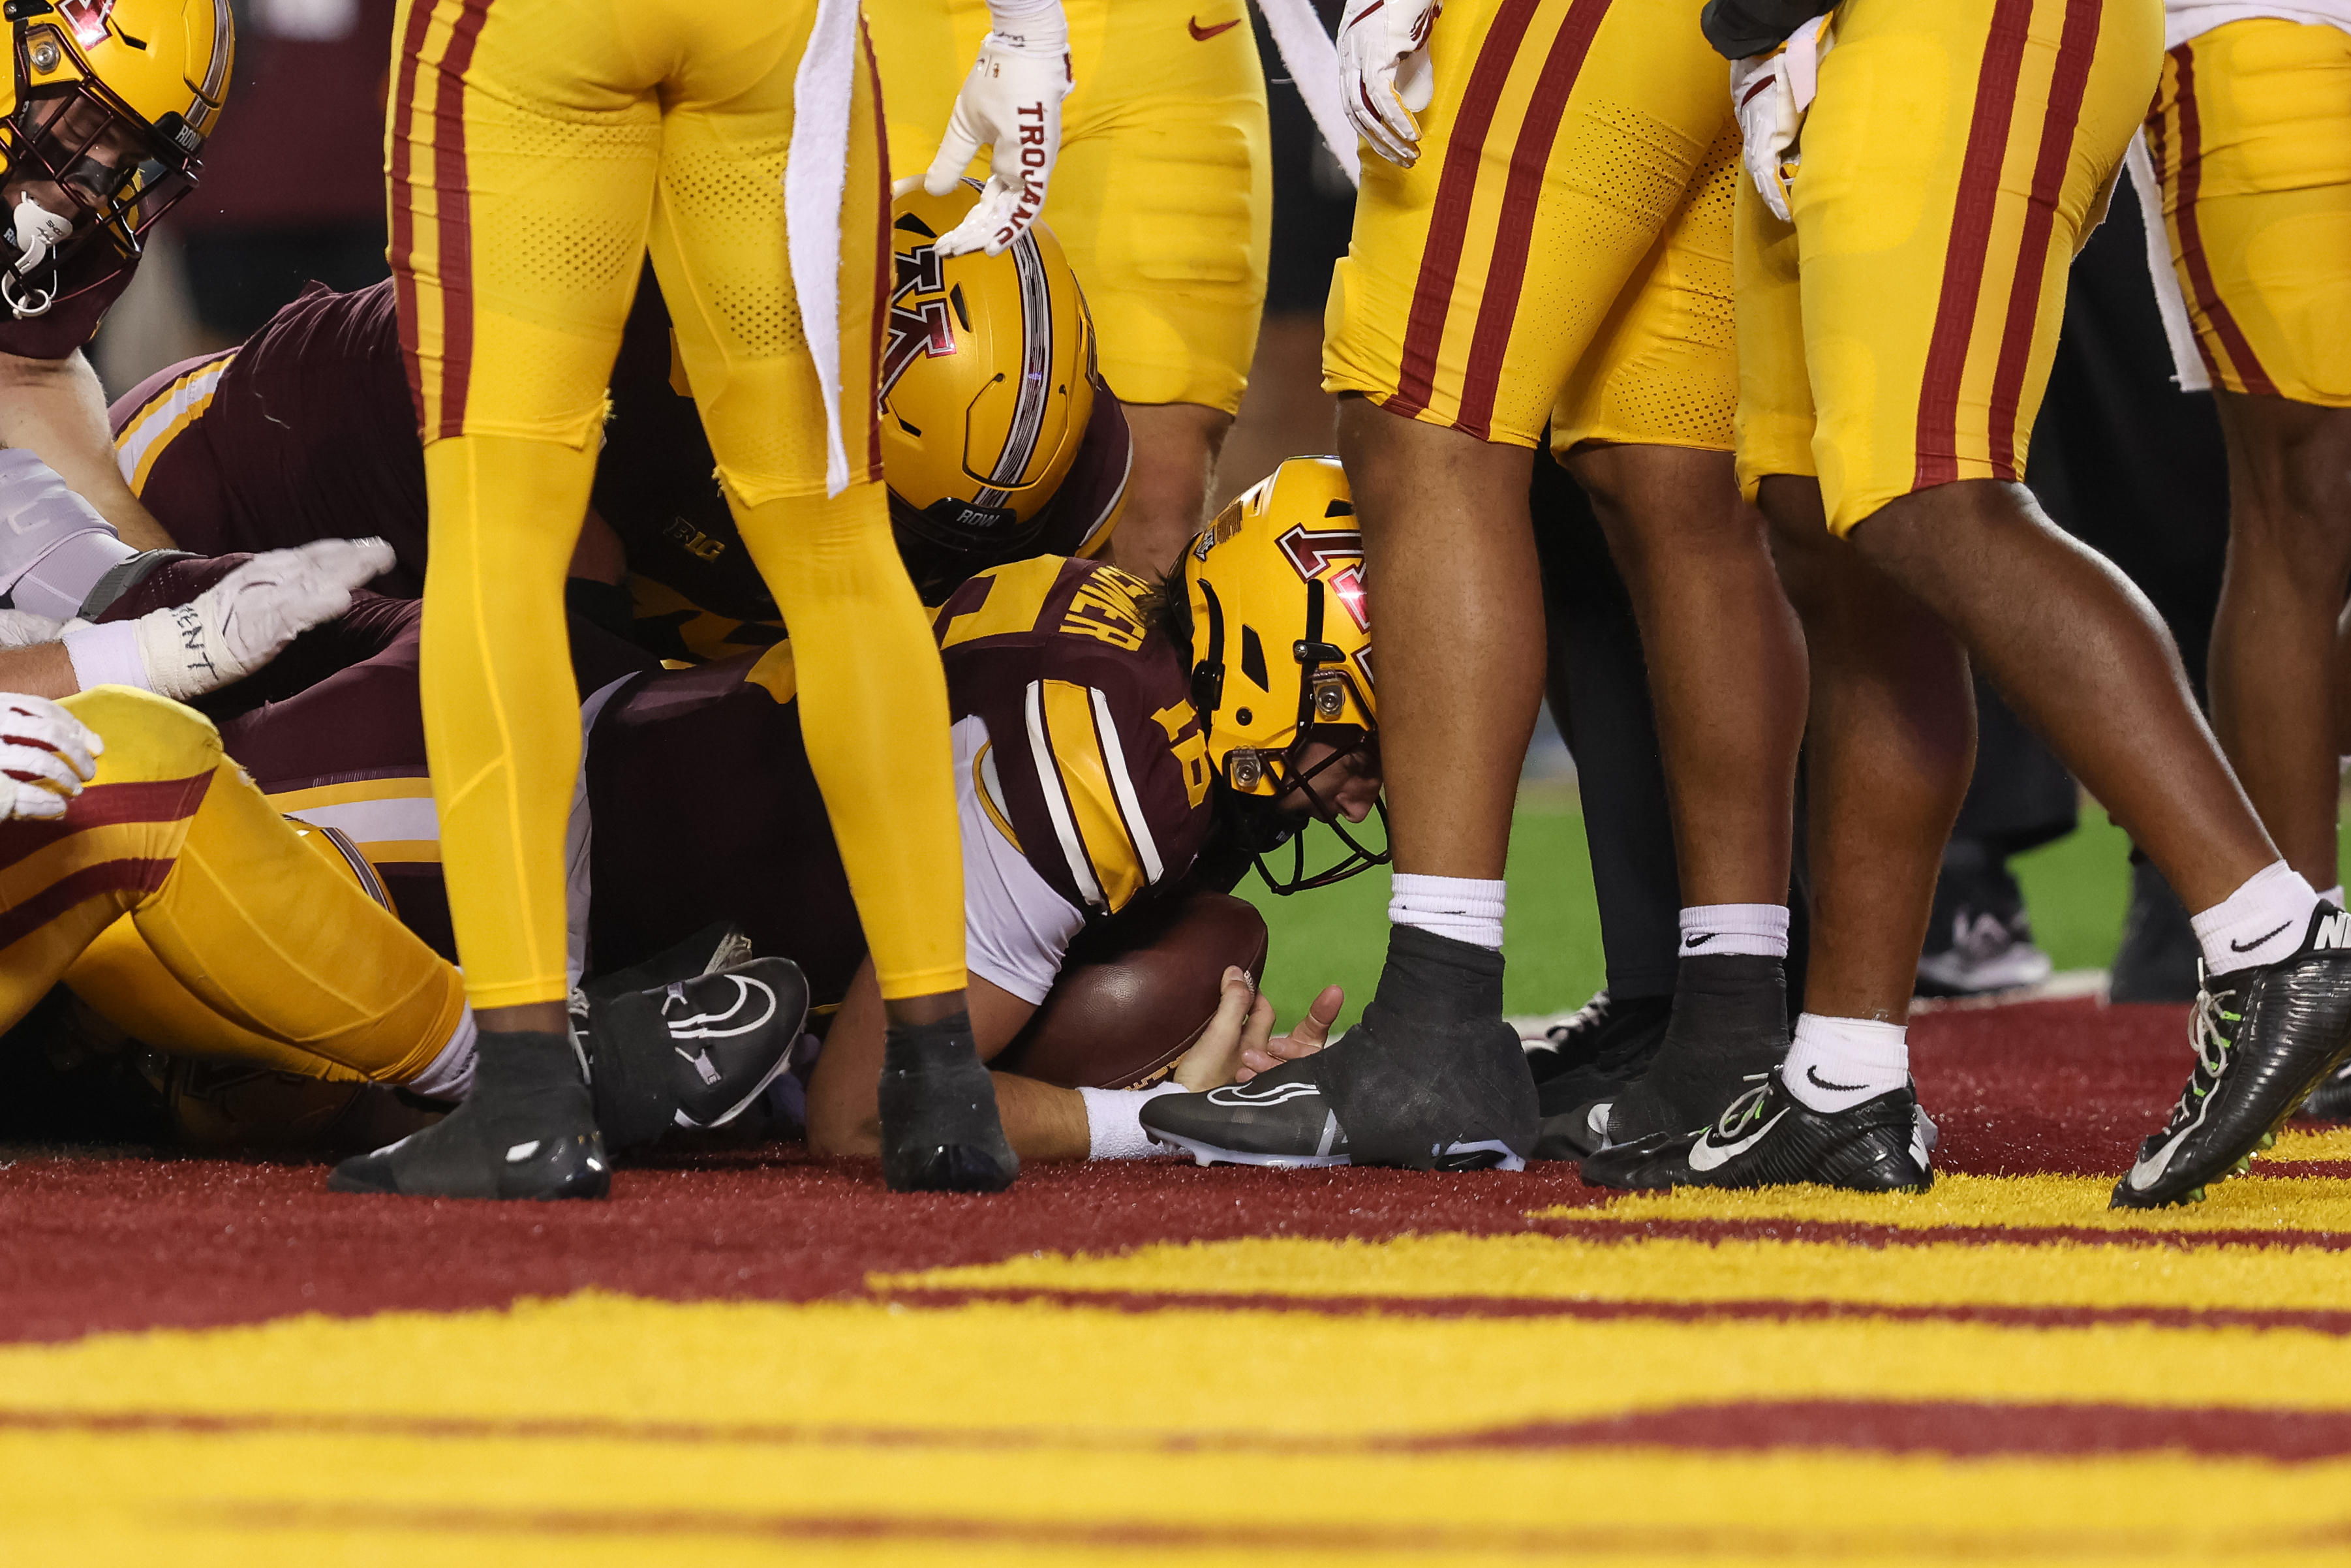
1956	1274
2295	1144
995	1365
2315	1203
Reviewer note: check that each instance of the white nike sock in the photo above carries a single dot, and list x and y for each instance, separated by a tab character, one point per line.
1114	1122
1835	1064
1461	907
2333	895
2260	923
450	1075
1710	930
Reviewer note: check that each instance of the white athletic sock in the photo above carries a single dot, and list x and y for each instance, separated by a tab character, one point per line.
1461	907
1835	1064
1114	1122
450	1075
2333	895
1710	930
2260	923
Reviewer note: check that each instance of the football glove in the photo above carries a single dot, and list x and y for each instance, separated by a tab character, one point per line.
233	628
1771	93
1385	78
46	755
1012	103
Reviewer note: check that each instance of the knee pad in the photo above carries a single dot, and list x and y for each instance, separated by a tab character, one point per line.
54	547
148	738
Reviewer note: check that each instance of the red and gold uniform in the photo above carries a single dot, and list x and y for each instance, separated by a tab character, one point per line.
1561	253
170	890
303	433
1898	334
536	151
1082	780
1163	193
2250	139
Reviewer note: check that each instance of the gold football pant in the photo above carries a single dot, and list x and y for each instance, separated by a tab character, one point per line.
536	149
2250	135
1163	195
1560	251
294	964
1898	335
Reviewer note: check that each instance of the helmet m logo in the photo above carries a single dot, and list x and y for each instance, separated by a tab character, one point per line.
1312	553
919	320
88	18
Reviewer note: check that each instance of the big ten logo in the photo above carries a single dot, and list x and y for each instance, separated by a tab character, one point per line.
693	540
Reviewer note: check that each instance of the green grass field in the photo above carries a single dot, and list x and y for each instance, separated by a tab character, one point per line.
2076	889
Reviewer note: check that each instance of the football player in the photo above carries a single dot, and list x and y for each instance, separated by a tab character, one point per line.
536	151
104	110
1163	194
302	433
1921	182
1544	242
2250	142
1088	786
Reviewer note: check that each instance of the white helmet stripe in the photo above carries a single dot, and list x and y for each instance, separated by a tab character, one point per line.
1036	371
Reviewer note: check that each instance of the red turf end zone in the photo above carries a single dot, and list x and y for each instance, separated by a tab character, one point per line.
90	1244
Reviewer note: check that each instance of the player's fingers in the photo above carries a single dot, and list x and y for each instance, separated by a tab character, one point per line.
1259	1029
1211	1059
31	802
1321	1014
905	186
958	148
34	766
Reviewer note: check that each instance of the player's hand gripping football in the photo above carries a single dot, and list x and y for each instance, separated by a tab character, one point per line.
1012	103
1771	93
1385	78
246	619
46	755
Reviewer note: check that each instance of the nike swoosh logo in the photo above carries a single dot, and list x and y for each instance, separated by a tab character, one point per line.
2249	946
1817	1081
1701	939
1705	1153
1205	33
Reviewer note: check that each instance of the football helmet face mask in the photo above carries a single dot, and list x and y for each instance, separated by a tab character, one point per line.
1283	666
987	383
104	113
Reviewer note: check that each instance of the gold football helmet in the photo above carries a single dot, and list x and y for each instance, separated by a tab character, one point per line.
109	102
1283	657
987	383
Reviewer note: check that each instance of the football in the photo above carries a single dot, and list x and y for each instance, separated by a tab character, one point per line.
217	1106
1137	990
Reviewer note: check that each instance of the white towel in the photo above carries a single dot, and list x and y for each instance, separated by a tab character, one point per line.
2186	359
813	182
1312	62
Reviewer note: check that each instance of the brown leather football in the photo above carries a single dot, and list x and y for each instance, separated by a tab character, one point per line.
1137	990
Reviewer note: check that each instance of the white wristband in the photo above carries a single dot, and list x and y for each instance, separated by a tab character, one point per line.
1114	1122
106	655
1030	26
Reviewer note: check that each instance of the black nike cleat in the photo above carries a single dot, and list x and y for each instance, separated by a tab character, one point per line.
2264	1037
1432	1079
1729	1026
2331	1101
1278	1118
526	1131
694	1052
1767	1137
940	1129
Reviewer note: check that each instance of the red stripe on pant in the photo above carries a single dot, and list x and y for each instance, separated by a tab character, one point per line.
2191	239
1498	308
1448	219
106	805
1963	260
2077	46
884	268
454	227
89	882
402	191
